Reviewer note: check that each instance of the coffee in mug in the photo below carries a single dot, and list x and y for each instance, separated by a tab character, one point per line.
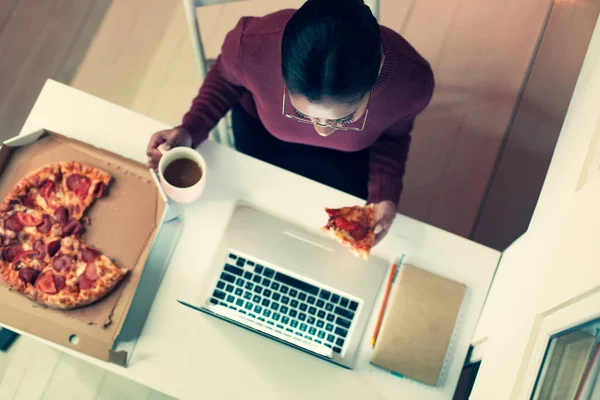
182	173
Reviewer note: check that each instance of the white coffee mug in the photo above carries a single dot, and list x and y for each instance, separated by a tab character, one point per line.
182	195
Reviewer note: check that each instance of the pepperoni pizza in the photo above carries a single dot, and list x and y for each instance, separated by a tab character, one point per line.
353	227
41	253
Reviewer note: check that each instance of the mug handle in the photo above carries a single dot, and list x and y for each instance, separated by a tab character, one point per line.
162	149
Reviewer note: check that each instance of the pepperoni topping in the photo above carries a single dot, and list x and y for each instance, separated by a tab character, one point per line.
11	252
91	272
99	190
46	224
72	228
46	283
28	219
59	282
89	255
346	225
13	224
22	255
28	275
53	248
62	262
359	234
47	189
332	212
40	247
79	184
85	283
28	201
61	214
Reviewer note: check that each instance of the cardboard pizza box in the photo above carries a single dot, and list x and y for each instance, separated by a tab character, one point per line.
133	224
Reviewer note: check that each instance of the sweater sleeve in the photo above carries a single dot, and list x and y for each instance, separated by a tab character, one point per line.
388	155
220	91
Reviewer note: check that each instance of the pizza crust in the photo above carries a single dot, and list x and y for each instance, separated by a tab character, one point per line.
350	245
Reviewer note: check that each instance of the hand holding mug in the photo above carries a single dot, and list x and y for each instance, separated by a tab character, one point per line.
164	141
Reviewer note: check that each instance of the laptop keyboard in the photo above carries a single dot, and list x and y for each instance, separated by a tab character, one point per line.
271	296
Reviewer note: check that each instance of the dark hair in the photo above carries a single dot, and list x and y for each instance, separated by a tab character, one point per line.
331	49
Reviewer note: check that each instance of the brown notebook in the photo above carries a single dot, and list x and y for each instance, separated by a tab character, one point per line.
418	324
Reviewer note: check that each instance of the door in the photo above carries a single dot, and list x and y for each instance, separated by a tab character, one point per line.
549	280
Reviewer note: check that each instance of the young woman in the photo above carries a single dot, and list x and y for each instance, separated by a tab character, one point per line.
324	92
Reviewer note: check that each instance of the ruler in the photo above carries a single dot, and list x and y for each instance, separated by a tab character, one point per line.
453	341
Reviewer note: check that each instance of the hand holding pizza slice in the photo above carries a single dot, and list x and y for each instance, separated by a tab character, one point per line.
385	214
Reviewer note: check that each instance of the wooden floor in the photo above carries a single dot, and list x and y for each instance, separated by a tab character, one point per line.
147	65
37	42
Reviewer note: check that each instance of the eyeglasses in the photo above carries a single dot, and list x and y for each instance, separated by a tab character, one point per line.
292	113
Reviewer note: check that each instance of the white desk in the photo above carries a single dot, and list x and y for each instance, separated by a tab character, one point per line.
189	355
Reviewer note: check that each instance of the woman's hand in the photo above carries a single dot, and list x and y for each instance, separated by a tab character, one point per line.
385	212
177	137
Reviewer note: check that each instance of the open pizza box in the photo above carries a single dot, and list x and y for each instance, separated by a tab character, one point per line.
133	224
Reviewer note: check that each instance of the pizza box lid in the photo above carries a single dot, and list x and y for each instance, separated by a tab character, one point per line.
125	224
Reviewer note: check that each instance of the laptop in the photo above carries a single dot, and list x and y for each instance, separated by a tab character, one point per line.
291	285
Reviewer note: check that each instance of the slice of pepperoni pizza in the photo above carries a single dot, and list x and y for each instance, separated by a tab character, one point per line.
38	190
81	185
19	222
61	273
23	259
353	227
29	224
19	266
88	276
63	191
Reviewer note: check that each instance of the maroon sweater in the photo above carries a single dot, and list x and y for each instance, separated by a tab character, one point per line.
249	71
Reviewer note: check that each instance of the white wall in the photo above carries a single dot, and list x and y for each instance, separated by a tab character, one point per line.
559	257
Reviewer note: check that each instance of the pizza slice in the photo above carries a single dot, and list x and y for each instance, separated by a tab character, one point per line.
18	221
38	190
23	223
24	258
81	184
60	273
353	227
88	273
19	264
54	197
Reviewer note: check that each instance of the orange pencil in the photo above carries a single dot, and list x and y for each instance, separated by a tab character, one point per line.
385	299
